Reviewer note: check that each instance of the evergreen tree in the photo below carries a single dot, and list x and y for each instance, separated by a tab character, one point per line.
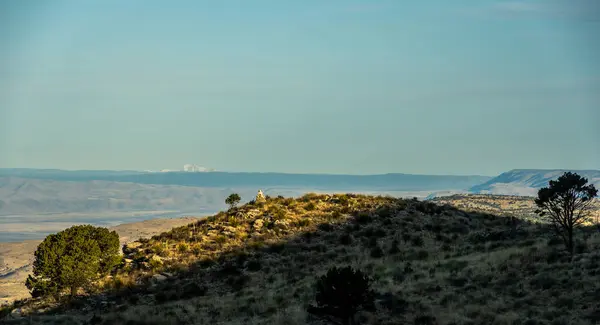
72	259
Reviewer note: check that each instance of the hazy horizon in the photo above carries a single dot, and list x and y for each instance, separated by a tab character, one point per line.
300	173
337	87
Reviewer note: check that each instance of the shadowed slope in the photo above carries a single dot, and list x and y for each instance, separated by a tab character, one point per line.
430	265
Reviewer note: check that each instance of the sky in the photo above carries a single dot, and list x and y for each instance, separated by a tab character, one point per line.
462	87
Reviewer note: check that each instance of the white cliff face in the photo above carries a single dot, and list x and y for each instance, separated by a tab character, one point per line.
190	168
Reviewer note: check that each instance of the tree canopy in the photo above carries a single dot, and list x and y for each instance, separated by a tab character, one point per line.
566	203
72	259
233	199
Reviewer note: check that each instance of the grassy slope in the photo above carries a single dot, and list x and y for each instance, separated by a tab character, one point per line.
430	265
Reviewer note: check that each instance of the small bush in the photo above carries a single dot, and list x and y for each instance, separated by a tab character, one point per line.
363	218
553	241
183	248
394	248
325	227
193	289
197	250
417	240
304	222
376	252
253	265
341	293
154	264
346	239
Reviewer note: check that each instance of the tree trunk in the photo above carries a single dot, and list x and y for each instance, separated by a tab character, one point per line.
73	291
570	248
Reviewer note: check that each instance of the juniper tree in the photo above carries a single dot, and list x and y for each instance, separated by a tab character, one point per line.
72	259
566	204
232	200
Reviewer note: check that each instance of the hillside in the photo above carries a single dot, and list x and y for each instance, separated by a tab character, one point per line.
505	205
430	264
526	182
16	258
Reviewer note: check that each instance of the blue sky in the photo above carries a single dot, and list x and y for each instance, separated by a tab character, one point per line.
429	87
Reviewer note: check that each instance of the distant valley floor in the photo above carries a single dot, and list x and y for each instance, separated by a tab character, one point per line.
16	258
17	228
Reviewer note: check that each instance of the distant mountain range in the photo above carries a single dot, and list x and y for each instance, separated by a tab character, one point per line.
526	182
388	182
34	191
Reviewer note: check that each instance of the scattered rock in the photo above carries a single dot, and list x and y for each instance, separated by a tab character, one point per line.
252	213
158	278
16	313
258	224
133	245
283	224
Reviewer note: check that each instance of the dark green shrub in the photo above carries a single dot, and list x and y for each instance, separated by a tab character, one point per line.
325	227
394	304
422	254
193	289
376	252
417	240
346	239
183	247
554	240
425	320
363	218
341	293
394	247
253	265
95	320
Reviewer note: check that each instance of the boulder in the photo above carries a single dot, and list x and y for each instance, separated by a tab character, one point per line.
282	224
16	313
133	245
258	224
252	213
158	278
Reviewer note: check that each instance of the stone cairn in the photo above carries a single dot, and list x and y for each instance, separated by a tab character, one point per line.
260	197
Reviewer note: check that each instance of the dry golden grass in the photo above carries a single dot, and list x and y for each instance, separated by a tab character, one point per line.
521	206
430	264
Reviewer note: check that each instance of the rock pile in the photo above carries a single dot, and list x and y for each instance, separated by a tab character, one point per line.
260	197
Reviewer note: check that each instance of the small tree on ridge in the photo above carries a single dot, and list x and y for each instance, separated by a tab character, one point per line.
232	200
